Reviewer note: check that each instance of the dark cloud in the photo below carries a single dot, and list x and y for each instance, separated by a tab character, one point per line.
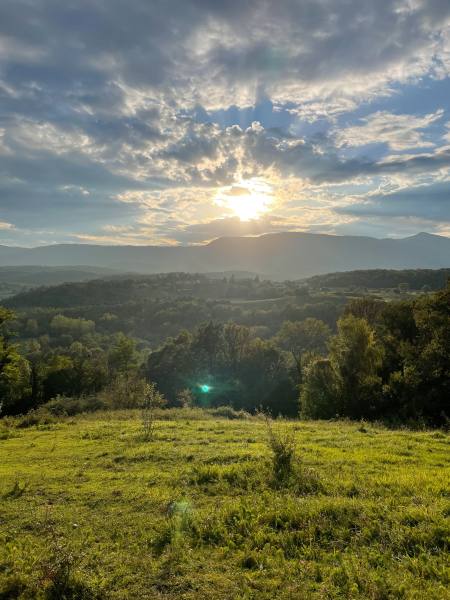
68	210
318	161
41	168
428	202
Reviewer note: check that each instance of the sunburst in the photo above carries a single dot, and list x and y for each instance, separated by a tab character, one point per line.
248	199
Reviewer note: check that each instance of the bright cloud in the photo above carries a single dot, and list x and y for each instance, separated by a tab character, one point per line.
399	132
182	120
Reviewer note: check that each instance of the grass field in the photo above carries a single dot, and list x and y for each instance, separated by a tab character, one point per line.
89	509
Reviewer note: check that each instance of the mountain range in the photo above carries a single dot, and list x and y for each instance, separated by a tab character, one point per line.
288	255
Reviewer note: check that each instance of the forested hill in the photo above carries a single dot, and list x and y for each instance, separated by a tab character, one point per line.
119	290
415	279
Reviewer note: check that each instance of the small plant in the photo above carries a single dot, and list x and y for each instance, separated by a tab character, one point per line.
362	426
16	491
228	412
281	442
58	577
153	400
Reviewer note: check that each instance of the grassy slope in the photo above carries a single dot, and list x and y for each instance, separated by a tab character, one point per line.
193	514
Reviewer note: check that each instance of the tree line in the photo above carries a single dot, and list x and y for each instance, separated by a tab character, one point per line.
379	360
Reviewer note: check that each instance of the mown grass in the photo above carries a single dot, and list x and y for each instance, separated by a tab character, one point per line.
89	509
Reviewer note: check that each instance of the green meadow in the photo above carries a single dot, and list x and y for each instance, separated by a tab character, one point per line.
91	509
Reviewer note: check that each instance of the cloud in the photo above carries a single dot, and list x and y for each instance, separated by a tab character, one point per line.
427	202
226	227
113	113
399	132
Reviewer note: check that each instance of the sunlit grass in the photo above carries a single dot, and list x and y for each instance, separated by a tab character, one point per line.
195	512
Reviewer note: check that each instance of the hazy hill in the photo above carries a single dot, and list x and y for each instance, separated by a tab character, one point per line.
280	255
16	279
32	275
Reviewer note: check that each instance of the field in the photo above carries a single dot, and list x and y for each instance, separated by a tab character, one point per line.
90	509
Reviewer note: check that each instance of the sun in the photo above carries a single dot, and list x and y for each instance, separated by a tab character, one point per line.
248	199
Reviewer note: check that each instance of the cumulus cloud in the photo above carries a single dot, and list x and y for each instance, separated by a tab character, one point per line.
132	114
4	225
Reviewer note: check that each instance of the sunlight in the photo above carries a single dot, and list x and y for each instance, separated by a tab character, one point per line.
248	199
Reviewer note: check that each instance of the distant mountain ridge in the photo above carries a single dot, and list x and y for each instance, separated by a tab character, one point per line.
289	255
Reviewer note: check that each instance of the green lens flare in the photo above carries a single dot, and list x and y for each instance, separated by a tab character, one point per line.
205	388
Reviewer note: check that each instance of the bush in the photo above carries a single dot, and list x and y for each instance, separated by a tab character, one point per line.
184	399
62	406
35	417
124	392
227	412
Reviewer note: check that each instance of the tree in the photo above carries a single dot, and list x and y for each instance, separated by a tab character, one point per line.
123	358
356	358
319	393
347	383
173	365
209	343
237	339
59	376
419	378
264	380
366	308
76	328
299	337
14	369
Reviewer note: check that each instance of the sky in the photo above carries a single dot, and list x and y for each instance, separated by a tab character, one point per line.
179	121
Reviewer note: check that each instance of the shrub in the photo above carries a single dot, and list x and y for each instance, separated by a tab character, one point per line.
282	445
124	392
184	399
152	400
34	417
286	470
65	406
227	412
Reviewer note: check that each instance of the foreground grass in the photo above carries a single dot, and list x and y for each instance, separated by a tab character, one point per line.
89	509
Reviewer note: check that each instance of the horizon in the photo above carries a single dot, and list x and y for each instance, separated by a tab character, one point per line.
224	237
177	123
